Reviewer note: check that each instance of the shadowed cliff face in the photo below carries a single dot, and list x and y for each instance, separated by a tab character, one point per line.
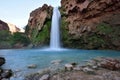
89	20
39	24
3	26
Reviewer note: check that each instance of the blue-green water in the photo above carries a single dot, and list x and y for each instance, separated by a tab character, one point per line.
19	59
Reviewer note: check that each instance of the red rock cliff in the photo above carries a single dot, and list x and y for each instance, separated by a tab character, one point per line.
83	16
38	20
3	26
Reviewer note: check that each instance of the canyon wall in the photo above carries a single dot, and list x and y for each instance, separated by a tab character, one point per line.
90	24
85	24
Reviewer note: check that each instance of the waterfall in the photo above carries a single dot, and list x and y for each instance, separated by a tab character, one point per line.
55	32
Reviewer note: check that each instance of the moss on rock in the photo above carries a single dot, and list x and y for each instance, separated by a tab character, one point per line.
41	37
104	36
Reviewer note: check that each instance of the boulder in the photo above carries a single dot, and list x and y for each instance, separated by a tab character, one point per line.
68	67
74	64
108	63
78	68
32	66
45	77
88	70
6	73
2	61
112	64
56	61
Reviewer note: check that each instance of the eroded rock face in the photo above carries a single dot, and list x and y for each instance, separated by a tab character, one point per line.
83	16
38	20
3	26
38	16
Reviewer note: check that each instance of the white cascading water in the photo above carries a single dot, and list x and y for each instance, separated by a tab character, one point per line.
55	32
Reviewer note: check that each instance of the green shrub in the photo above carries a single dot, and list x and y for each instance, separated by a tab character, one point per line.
104	29
42	36
64	32
20	38
5	39
5	35
96	41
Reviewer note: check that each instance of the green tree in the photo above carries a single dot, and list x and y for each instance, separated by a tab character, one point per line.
5	39
20	38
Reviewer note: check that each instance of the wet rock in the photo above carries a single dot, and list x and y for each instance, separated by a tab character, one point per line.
68	67
95	67
74	63
32	66
1	70
56	61
45	77
88	70
109	63
44	71
77	68
2	61
6	73
18	70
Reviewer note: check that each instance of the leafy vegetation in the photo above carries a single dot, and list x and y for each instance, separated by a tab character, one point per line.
64	32
104	29
42	36
8	40
20	38
5	35
62	12
5	39
104	36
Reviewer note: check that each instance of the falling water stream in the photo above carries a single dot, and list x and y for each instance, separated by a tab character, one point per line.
55	32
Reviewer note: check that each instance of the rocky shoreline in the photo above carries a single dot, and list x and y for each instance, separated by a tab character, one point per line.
100	68
5	74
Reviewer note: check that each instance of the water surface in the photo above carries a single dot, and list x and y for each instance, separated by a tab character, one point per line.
19	59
